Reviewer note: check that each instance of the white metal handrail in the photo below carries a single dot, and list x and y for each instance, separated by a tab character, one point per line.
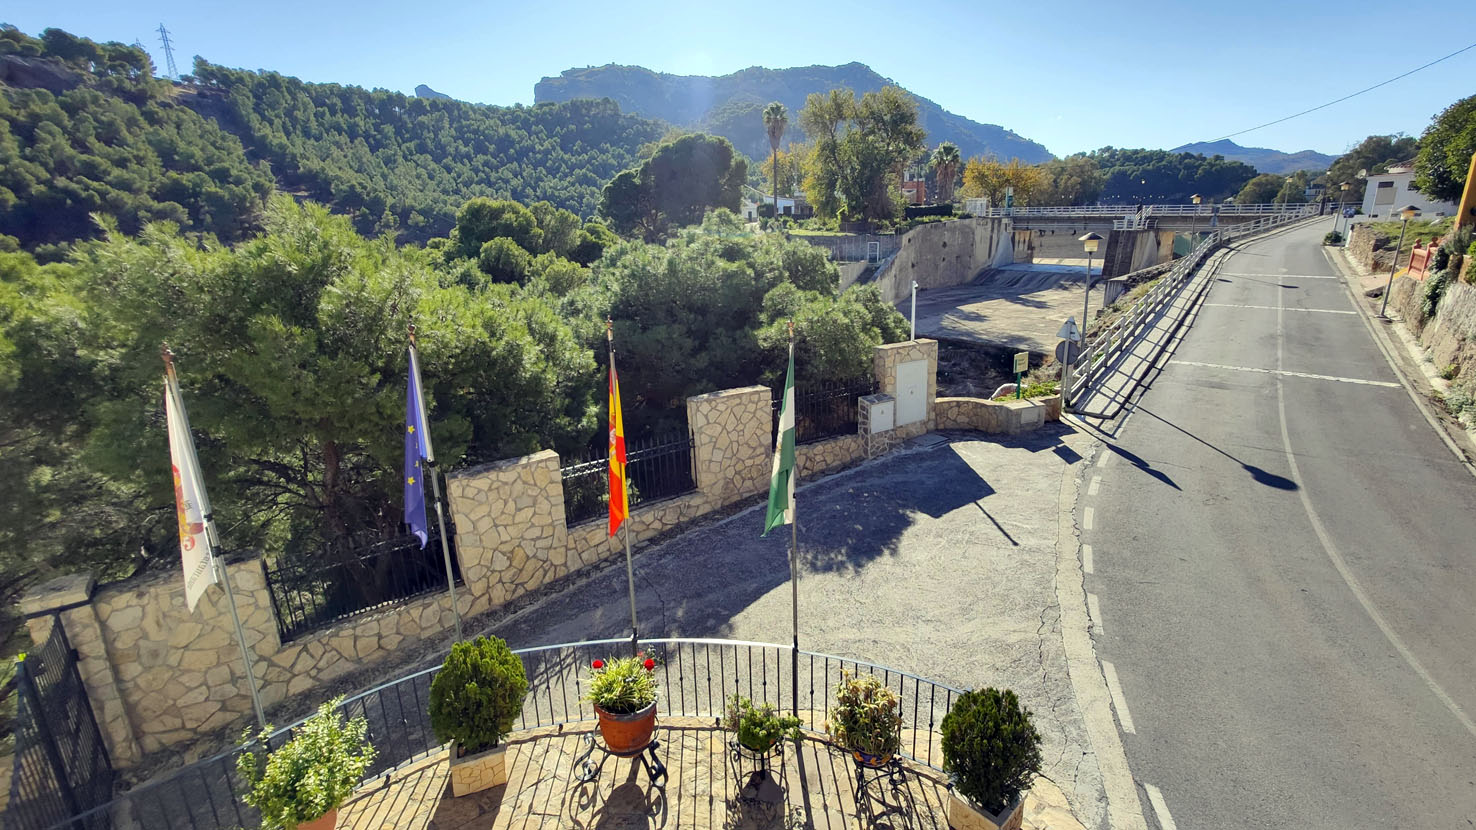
1106	345
1207	209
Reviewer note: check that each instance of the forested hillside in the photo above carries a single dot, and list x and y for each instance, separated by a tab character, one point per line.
730	105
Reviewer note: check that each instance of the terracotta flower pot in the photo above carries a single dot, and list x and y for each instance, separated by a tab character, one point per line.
323	822
627	734
964	815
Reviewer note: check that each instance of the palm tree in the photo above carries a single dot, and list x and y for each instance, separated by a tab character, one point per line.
776	120
945	162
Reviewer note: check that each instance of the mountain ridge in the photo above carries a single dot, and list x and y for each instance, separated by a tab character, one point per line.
1264	159
730	105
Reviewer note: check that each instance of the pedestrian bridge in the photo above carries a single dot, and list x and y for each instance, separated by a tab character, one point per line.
1139	217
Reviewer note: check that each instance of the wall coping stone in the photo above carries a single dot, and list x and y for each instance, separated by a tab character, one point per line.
730	393
61	592
504	464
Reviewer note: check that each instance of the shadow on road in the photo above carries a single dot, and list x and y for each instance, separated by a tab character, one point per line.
1260	475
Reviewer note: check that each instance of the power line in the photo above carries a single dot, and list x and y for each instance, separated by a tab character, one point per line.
168	51
1353	95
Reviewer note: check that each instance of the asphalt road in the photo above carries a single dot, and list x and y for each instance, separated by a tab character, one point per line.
1283	570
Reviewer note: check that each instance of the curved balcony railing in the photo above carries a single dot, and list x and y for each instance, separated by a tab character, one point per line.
695	679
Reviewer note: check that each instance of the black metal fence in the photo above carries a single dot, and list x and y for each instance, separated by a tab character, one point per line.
695	677
345	580
824	409
61	763
657	468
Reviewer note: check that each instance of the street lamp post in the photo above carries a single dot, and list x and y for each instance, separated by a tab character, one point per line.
1406	213
1194	228
1341	197
1089	243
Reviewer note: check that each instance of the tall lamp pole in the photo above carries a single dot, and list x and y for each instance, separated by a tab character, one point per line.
1089	242
1194	227
1406	213
1342	196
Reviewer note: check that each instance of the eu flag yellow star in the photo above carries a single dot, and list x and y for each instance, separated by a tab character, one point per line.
410	480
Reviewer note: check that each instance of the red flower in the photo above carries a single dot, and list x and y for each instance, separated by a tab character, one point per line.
649	664
598	664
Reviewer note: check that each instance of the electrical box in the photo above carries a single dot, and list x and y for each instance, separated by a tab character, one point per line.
878	414
912	392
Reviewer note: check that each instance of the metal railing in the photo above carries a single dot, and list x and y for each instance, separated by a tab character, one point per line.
656	468
695	677
1224	209
1105	345
824	409
345	581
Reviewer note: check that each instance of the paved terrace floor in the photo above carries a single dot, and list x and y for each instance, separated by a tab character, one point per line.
703	790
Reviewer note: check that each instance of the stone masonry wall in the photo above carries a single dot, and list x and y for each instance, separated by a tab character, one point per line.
829	455
1004	417
731	430
885	361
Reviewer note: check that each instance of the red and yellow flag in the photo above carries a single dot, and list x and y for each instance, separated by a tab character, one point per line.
619	509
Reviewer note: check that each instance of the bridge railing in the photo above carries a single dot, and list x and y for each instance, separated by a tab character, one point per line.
1105	346
1226	209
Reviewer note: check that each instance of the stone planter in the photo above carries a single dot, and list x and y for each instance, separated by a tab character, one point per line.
482	771
963	815
627	735
323	822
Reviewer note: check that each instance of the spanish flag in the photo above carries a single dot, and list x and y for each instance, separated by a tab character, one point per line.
619	508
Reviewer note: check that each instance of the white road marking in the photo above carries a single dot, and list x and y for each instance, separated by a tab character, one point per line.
1118	701
1094	486
1281	276
1274	308
1342	565
1094	610
1155	798
1359	381
1087	515
1107	454
1086	558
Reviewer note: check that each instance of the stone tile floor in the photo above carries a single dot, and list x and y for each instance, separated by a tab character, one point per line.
703	790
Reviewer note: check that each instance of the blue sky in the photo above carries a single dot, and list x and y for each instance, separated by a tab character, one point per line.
1070	75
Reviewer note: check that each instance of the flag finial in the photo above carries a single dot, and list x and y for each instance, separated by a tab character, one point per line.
609	329
411	328
166	354
791	330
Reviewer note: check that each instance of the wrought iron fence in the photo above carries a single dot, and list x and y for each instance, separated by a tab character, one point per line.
61	765
657	468
308	594
695	678
824	409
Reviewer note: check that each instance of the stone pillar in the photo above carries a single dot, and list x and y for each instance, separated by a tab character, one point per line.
69	599
908	371
732	434
510	530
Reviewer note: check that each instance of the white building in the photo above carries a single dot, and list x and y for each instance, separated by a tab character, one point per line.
1387	192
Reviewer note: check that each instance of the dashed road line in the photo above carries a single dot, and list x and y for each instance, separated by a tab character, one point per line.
1119	702
1107	454
1160	808
1094	486
1094	610
1285	373
1087	515
1086	559
1274	308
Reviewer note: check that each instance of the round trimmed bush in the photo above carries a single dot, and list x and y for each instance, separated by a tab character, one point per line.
478	694
990	748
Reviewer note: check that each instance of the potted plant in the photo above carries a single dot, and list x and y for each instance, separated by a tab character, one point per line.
302	784
759	728
991	752
866	719
474	700
623	692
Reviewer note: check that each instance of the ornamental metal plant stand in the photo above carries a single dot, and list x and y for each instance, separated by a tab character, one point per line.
589	771
761	786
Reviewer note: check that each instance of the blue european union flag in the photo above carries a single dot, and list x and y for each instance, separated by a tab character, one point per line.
416	450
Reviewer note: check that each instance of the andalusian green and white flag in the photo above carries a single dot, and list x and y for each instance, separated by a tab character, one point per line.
781	484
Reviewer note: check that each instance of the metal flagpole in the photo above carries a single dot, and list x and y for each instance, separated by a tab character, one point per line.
430	462
794	560
212	538
625	496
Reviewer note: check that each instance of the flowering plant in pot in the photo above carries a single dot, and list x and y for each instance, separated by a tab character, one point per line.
623	692
474	700
866	719
303	783
991	752
758	728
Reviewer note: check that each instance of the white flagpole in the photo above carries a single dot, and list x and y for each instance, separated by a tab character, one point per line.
212	537
625	521
794	555
430	463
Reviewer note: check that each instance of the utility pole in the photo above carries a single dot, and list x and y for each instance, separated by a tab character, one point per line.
168	51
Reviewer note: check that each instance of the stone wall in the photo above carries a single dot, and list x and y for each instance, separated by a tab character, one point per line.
1369	249
731	433
829	455
942	254
886	362
1005	417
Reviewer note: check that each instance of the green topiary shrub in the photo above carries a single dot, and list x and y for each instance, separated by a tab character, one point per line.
866	716
478	694
309	775
990	748
1332	238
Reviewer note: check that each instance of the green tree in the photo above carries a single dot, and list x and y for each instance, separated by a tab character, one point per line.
1293	189
1158	176
482	220
858	151
1260	190
504	260
1372	155
1446	148
1074	180
675	187
776	120
946	163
